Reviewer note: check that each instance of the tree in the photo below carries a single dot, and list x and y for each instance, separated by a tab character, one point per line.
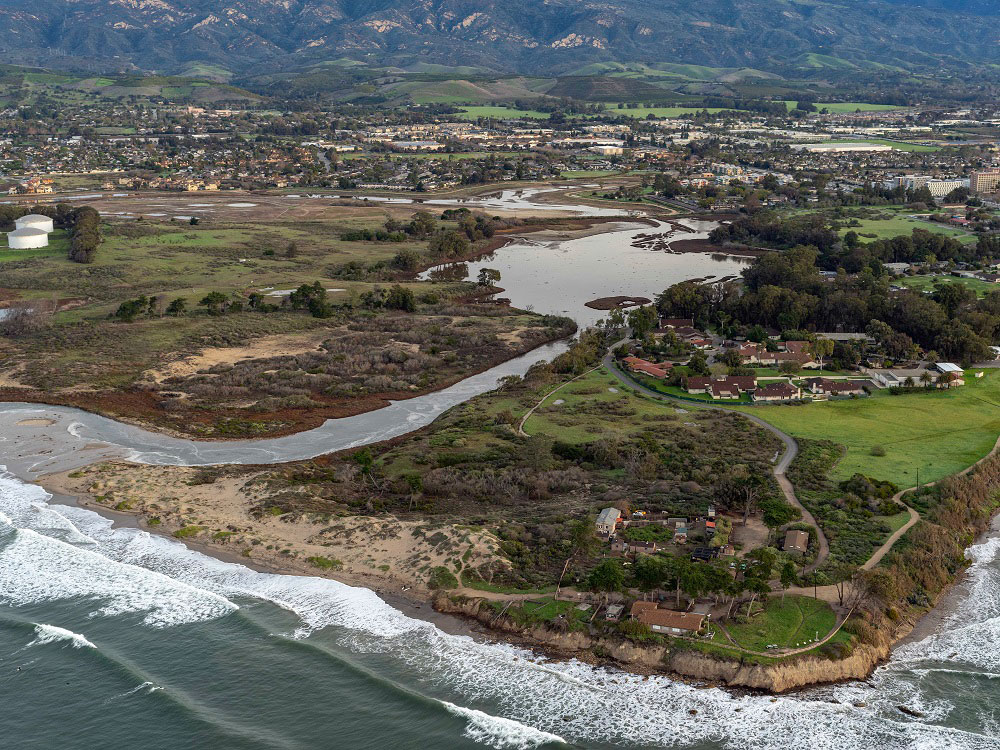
177	307
215	302
821	349
787	576
788	367
642	320
608	576
844	573
698	363
488	277
649	572
400	298
730	358
745	493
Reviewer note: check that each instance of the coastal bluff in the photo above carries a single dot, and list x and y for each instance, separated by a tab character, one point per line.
806	670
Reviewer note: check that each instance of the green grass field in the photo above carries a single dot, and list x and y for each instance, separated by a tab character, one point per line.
926	283
593	406
933	433
789	622
844	107
885	229
659	112
503	113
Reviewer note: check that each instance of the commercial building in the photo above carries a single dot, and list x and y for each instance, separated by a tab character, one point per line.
986	181
836	148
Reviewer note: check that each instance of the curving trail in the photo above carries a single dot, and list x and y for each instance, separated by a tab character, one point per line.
791	451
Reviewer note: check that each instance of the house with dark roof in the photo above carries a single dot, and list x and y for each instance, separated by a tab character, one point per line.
825	387
777	392
727	388
796	541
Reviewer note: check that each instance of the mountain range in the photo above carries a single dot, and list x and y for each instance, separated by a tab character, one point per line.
527	36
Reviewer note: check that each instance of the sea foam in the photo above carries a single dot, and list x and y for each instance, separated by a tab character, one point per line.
535	701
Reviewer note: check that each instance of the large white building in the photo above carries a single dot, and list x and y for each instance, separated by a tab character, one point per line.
836	148
35	221
27	238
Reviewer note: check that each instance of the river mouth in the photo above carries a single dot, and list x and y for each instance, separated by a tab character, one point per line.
188	646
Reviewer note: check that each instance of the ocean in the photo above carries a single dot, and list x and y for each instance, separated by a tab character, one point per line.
115	638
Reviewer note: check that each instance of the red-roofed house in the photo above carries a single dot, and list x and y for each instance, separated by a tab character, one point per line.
647	368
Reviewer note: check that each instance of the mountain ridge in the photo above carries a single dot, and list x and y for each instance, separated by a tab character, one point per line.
512	36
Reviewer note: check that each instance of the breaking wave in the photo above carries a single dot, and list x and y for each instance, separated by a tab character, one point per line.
533	702
52	634
500	733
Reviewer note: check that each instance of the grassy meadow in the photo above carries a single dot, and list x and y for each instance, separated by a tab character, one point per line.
932	433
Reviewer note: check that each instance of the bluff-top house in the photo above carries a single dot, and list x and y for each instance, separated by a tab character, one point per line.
635	364
666	620
834	388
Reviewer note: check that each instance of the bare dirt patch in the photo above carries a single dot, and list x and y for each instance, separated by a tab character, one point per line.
262	348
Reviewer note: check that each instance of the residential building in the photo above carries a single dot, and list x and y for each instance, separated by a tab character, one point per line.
665	620
796	541
777	392
607	521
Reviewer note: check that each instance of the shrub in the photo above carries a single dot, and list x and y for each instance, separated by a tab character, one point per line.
325	563
188	531
442	578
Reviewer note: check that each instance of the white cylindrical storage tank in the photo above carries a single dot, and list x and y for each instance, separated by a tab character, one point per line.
28	238
35	221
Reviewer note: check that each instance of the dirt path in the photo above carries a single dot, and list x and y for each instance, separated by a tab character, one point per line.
520	425
791	451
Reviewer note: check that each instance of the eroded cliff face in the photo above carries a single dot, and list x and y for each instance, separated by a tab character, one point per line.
773	678
778	678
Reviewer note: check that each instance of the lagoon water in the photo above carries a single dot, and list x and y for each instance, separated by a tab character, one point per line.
561	276
113	638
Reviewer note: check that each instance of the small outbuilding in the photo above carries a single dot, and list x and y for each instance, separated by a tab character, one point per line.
27	239
796	541
35	221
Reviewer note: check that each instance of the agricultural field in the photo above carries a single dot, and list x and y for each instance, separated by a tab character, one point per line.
932	433
502	113
658	112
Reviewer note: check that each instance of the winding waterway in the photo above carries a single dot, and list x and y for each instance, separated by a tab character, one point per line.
112	637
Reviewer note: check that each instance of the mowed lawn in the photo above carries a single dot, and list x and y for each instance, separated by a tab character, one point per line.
932	433
926	283
789	622
885	229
